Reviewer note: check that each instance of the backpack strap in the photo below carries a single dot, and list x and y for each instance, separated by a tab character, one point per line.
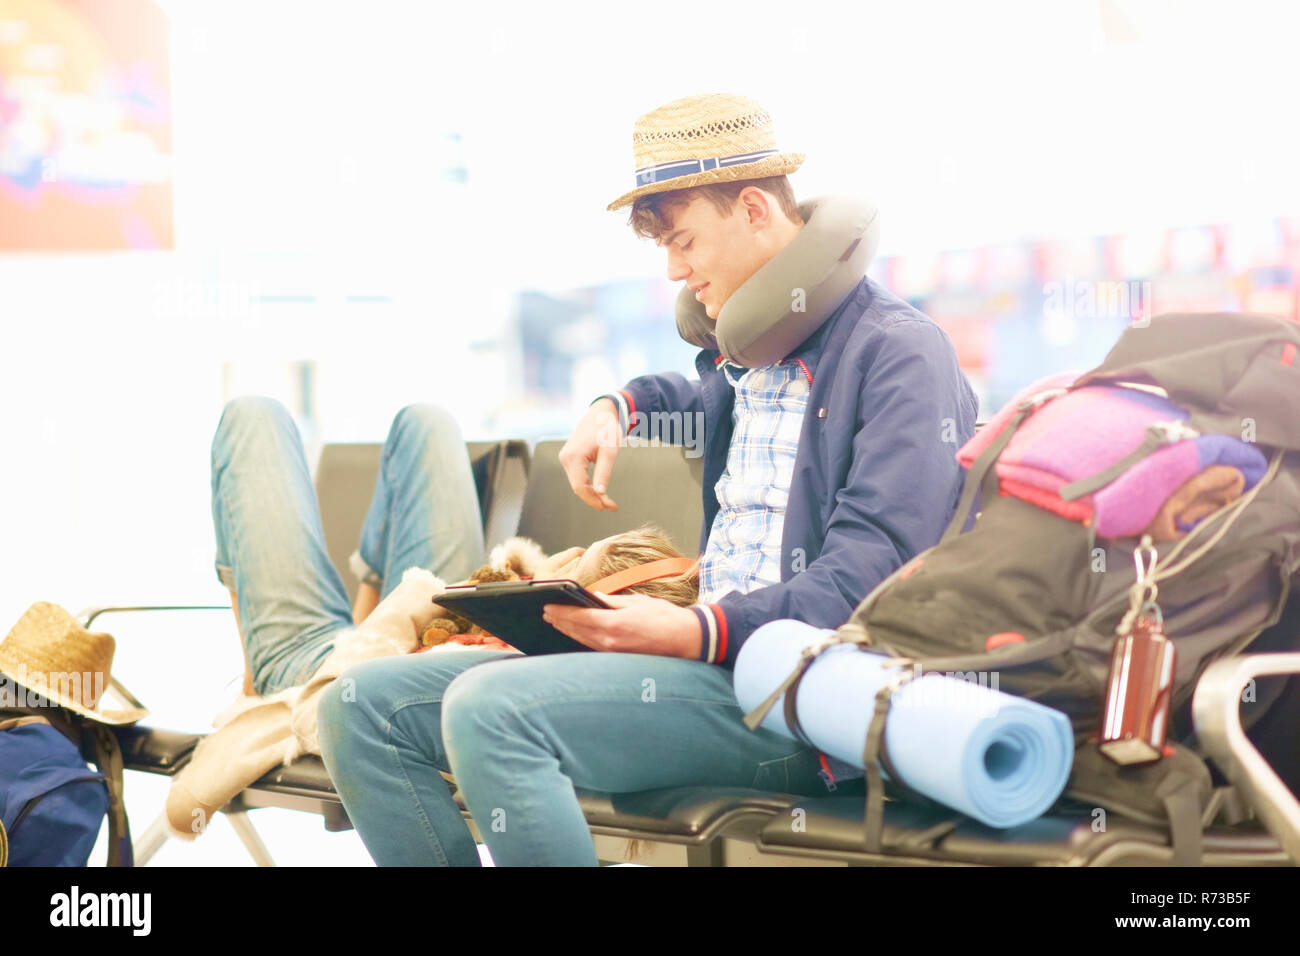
1158	435
875	758
1175	792
982	473
873	754
789	686
791	712
1227	807
53	716
108	755
1180	793
9	723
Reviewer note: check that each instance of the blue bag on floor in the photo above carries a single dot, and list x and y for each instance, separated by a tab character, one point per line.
1000	759
51	802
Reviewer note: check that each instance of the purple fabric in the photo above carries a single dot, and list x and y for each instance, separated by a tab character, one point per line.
1084	432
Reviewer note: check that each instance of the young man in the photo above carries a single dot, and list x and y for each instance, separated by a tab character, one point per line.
824	471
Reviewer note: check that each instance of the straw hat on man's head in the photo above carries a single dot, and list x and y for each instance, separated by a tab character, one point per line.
49	653
698	140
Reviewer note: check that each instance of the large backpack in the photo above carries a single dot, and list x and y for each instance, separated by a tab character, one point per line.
1026	573
52	803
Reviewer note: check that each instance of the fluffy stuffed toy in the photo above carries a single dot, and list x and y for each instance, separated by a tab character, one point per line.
513	560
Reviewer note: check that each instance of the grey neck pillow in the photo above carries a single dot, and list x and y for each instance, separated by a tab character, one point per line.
766	318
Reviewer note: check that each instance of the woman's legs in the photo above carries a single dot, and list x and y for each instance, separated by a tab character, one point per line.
271	552
367	600
378	722
287	596
425	509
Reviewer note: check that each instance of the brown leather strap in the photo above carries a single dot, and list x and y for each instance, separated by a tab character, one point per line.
874	821
873	757
13	722
789	686
980	467
641	573
108	755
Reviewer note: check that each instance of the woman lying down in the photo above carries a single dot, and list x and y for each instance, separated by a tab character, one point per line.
257	734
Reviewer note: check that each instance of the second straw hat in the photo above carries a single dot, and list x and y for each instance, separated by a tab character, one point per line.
716	138
48	652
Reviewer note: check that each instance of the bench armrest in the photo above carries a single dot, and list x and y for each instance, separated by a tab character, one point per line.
1216	715
87	616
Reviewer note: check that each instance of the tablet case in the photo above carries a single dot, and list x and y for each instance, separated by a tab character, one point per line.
512	611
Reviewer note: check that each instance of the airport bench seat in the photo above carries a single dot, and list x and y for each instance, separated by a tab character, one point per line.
663	485
830	829
677	814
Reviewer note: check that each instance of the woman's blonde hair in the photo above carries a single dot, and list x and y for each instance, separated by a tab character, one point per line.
641	546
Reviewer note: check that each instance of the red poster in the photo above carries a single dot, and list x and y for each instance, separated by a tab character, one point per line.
85	126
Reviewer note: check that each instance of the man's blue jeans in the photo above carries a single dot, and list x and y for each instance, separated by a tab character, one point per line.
519	734
271	549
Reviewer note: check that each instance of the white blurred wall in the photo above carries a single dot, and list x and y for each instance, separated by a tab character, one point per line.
312	225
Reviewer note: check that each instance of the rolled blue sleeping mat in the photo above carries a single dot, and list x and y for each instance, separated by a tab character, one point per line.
1000	759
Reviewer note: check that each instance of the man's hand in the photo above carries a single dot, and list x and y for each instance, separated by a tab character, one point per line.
596	439
637	625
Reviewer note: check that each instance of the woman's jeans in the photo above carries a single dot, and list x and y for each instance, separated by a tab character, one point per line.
271	548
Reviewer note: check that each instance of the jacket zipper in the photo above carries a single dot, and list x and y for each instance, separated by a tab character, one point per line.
825	773
807	373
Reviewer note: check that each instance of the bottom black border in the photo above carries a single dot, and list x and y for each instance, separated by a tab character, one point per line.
365	905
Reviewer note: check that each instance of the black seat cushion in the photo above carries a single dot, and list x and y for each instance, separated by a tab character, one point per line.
680	811
154	750
833	826
688	814
306	775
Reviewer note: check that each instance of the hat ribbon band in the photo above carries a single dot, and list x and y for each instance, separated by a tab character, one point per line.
686	167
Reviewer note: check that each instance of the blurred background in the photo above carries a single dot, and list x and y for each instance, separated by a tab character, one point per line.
355	206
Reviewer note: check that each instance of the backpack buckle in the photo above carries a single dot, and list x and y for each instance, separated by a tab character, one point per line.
1039	399
1172	431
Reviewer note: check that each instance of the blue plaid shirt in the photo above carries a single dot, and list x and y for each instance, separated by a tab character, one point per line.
744	549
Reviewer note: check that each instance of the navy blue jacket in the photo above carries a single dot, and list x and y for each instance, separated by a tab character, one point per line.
876	478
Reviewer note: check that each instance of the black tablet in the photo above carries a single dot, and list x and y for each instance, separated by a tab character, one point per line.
512	611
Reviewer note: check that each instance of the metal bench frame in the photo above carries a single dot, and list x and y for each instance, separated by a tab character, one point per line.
708	821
